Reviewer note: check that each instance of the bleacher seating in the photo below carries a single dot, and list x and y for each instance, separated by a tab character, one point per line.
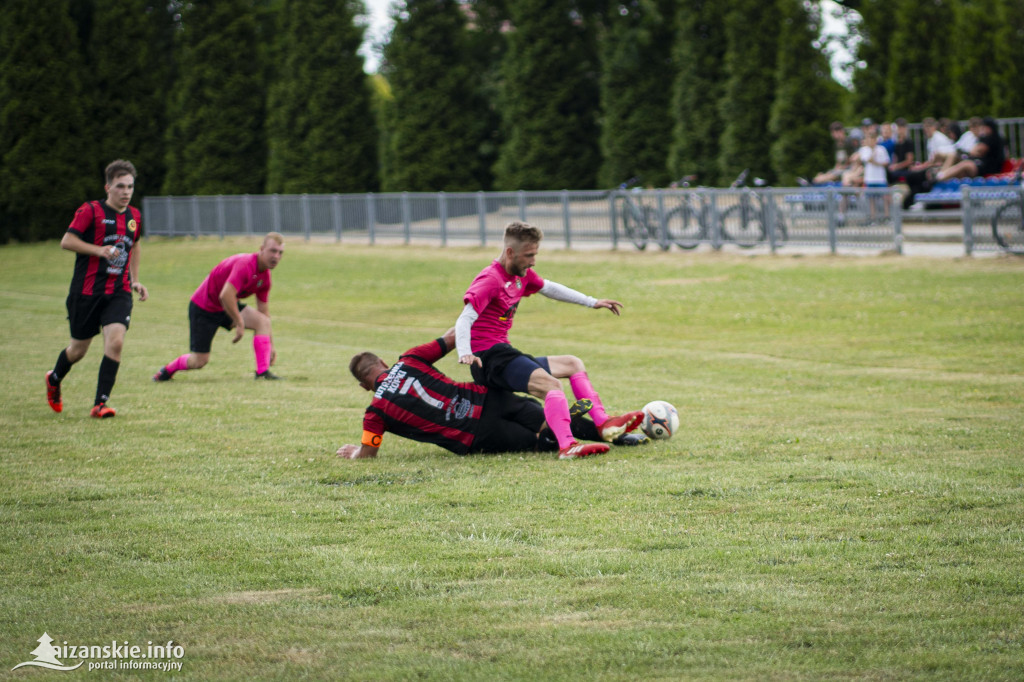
950	191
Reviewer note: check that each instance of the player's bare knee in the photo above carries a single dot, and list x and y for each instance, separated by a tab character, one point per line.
542	383
198	361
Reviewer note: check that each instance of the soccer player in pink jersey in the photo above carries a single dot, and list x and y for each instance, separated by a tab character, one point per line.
216	303
481	340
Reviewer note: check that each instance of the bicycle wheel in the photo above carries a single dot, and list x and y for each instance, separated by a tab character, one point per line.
684	226
635	228
742	224
1008	227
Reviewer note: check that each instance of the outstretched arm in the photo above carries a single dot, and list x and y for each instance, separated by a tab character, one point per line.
559	292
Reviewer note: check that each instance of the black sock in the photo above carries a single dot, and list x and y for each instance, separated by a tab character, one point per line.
105	383
61	369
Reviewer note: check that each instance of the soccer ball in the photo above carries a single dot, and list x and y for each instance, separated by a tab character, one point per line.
661	420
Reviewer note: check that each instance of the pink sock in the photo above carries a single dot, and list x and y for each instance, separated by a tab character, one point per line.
178	365
556	412
261	346
581	388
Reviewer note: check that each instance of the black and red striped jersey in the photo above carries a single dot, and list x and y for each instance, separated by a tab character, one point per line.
416	401
97	223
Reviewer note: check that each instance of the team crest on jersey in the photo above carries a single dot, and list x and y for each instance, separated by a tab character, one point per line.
132	225
259	282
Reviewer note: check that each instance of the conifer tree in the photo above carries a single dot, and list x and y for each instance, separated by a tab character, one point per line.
322	135
917	84
699	58
974	53
869	81
46	168
438	120
216	141
806	97
548	98
636	65
127	83
1008	68
751	29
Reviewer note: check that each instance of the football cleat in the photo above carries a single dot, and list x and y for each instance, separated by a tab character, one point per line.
574	450
53	394
101	411
580	407
616	426
163	375
631	439
267	375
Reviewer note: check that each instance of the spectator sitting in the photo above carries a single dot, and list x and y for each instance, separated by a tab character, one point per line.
887	138
844	148
902	155
854	175
986	158
919	176
966	142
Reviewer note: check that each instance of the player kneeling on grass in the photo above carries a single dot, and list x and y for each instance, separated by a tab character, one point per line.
412	398
105	235
216	304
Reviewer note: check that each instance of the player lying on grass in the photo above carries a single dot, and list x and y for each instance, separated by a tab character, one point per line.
414	399
216	304
482	338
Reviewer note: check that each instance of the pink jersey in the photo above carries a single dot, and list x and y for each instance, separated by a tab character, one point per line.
242	271
494	295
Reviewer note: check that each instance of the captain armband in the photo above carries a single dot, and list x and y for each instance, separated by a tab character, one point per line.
371	440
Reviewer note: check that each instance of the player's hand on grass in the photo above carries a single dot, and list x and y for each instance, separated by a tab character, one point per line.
471	360
356	452
239	333
609	304
273	356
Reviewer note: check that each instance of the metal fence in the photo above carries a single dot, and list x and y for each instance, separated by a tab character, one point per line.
992	219
771	218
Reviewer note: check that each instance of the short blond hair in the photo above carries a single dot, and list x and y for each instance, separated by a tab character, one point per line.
276	236
518	233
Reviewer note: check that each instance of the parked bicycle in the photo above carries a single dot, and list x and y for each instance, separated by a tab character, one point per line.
747	223
1008	223
640	221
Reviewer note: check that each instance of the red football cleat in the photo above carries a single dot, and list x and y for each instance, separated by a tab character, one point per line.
616	426
575	450
53	394
101	411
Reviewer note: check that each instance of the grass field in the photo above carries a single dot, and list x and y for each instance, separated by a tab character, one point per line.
844	500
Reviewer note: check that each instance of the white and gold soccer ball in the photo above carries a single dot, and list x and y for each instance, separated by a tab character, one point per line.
661	420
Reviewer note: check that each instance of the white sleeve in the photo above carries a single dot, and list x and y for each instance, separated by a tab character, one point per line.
463	325
565	294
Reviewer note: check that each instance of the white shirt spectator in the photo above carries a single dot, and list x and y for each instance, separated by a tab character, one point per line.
966	142
939	144
875	160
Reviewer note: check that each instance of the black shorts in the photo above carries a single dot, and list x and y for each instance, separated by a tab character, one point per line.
203	325
506	368
508	423
89	314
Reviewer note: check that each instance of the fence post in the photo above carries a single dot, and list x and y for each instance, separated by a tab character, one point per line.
710	213
170	217
769	209
306	218
663	242
371	217
220	216
565	218
406	227
612	196
895	200
968	212
247	214
275	208
521	196
336	216
442	212
832	215
481	209
195	216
